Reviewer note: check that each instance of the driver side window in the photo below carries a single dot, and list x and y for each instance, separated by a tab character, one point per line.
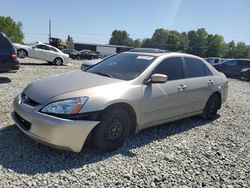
172	67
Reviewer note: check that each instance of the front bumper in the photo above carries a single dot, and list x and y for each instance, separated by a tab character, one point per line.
56	132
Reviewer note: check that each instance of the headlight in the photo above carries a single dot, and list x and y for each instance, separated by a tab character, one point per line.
68	106
244	70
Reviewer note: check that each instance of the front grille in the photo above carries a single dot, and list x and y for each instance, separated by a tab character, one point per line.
23	123
28	101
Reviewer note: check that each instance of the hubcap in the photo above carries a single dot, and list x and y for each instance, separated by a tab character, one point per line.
58	62
114	129
21	53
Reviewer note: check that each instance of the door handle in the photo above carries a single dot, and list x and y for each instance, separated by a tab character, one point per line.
181	87
210	82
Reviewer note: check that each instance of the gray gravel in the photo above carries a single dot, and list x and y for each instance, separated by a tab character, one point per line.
186	153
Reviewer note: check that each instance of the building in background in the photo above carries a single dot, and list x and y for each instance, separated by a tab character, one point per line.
103	50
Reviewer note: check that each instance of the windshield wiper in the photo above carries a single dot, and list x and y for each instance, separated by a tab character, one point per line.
103	74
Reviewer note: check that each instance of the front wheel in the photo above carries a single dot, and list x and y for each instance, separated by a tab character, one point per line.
58	61
211	108
113	130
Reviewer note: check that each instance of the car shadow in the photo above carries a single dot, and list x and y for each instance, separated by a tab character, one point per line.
39	64
35	64
23	155
4	80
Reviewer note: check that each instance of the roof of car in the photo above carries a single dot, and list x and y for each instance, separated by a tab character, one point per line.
163	54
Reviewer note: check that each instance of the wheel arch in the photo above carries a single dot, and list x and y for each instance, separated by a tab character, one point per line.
27	53
129	109
219	95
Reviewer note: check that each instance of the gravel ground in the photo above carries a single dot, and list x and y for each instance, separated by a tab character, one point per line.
186	153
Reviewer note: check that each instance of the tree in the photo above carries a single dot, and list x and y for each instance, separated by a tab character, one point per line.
215	46
70	42
159	38
173	41
119	37
198	42
147	43
241	50
11	29
137	43
230	49
184	42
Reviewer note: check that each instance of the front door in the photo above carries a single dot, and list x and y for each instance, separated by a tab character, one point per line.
163	101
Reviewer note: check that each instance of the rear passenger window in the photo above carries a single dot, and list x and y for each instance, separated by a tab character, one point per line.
172	67
4	42
232	63
195	67
244	63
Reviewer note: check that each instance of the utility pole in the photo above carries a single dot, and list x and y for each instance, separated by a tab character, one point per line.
49	29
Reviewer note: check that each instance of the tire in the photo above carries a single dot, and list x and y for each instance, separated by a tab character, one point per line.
78	57
211	108
58	61
113	130
22	53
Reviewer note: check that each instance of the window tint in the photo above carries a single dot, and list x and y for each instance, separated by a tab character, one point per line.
51	49
244	63
216	60
195	67
123	66
5	43
231	63
172	67
40	47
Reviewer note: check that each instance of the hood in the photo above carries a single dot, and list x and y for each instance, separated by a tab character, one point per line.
42	90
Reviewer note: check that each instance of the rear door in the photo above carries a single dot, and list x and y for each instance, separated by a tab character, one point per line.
163	101
200	81
6	49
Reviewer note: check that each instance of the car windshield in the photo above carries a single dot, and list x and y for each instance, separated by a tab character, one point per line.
123	66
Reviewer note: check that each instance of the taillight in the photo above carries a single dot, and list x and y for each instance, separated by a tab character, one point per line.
13	56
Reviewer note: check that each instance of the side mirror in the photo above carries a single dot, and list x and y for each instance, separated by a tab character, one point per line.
159	78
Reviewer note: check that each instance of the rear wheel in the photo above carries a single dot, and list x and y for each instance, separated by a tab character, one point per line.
58	61
21	53
211	108
113	130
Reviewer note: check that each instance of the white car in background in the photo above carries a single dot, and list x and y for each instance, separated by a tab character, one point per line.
42	52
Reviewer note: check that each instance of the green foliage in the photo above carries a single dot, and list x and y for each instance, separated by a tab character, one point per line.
70	42
119	37
11	29
197	42
215	46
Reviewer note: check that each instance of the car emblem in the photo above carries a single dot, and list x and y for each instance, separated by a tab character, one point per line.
24	98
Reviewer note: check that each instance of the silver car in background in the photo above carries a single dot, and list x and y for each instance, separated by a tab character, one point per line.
119	96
